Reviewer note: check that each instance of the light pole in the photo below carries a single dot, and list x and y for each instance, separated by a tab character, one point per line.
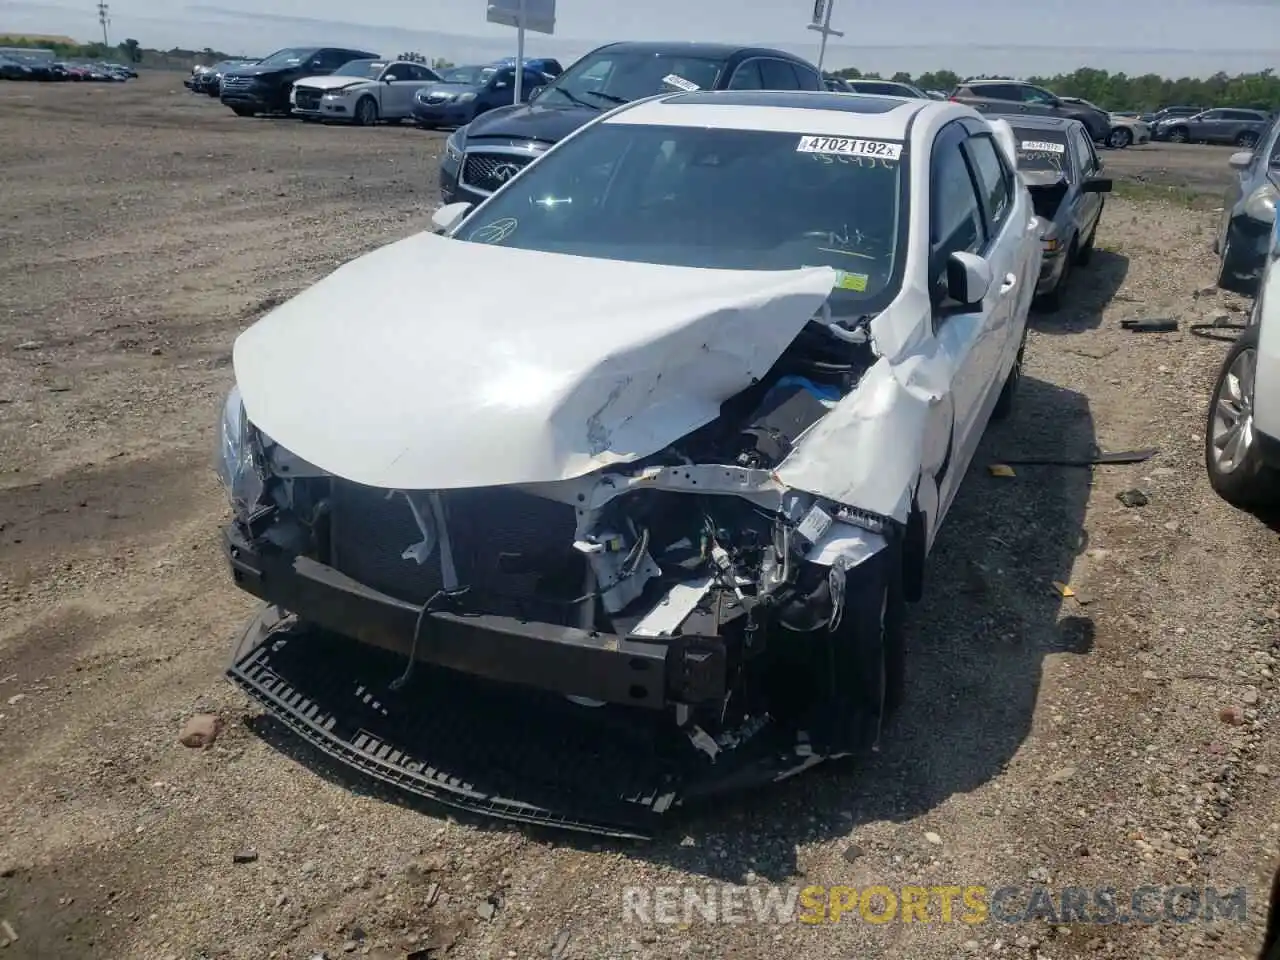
822	24
104	18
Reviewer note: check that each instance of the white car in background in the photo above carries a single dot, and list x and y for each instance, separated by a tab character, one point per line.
1126	128
693	495
1242	438
362	92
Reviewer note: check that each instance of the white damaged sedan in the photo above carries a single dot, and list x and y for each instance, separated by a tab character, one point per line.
669	450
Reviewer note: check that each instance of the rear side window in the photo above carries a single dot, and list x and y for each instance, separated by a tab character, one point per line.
995	180
998	91
807	79
778	75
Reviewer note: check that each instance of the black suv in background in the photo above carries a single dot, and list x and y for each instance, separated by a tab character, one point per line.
264	87
1009	96
483	155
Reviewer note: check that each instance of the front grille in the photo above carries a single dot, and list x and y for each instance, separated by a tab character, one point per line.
307	99
237	83
489	171
514	550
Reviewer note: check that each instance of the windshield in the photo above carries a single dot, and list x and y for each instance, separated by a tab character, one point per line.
717	198
369	69
287	58
610	77
1042	151
473	76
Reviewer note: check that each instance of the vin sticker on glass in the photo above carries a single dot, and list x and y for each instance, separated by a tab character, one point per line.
847	147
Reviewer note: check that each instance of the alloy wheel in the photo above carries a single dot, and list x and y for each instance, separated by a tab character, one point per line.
1178	136
1233	413
1119	139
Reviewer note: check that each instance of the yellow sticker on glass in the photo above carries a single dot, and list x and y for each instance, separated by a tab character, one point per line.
856	282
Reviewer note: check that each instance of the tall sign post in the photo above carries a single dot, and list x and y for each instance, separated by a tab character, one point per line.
536	15
821	23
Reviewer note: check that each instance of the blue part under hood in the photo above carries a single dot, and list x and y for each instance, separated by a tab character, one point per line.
531	121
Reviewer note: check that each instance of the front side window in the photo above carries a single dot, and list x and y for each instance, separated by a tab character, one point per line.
778	75
955	216
716	198
994	179
471	76
747	77
609	78
1036	95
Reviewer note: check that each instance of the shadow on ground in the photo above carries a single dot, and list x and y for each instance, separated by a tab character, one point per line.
1089	290
976	648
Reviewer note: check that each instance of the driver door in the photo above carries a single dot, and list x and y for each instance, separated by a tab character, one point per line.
397	88
500	91
1040	103
975	208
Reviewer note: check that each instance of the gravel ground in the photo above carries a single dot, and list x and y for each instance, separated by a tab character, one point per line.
1067	741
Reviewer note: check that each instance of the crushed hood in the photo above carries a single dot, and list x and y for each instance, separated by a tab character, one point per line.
435	363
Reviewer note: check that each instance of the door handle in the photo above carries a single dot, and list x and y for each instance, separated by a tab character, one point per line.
1010	281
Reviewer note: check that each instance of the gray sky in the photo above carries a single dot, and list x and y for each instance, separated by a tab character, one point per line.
1173	37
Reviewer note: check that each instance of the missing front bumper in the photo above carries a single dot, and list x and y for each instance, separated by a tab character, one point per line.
620	670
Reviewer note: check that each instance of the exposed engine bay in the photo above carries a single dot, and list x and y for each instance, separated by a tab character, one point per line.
696	543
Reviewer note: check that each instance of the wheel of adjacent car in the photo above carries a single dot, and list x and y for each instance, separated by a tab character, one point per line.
1052	301
1119	138
1009	393
1231	456
1179	135
1247	139
366	112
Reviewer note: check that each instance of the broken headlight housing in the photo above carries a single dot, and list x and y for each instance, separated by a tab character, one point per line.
1261	204
239	459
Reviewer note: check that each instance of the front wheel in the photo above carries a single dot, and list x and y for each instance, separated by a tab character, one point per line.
243	111
1179	135
366	112
1247	139
1119	138
1008	395
1231	455
1052	301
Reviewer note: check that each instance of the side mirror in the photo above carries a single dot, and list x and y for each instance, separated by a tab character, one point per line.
449	216
501	85
1241	160
969	278
388	78
1097	185
535	93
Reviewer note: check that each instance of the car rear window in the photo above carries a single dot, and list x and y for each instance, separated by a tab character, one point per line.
1042	151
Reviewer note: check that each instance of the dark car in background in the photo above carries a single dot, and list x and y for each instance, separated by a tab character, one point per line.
1169	113
548	65
210	81
1063	173
11	69
1220	125
486	153
1243	242
887	88
264	87
464	93
1018	97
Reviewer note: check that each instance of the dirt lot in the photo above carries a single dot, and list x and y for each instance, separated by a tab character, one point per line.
1047	740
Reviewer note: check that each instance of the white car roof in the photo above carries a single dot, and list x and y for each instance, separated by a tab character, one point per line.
800	112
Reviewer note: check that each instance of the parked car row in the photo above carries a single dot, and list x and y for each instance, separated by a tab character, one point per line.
16	67
1225	125
208	79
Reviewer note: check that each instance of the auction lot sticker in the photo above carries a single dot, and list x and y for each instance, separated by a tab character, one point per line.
847	147
1045	145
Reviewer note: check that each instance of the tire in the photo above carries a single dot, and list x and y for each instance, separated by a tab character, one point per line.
1179	135
366	112
1085	253
1236	471
1247	139
1051	302
870	635
1119	138
244	111
1008	395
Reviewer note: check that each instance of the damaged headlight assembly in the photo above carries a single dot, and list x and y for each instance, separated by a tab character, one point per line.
239	461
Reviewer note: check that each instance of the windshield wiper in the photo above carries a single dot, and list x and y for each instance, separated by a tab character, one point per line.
574	99
607	96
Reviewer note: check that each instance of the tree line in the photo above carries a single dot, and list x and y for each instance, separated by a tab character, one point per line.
1119	91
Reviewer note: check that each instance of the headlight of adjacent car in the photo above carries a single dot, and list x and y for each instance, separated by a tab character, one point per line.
1261	204
338	94
466	97
238	461
453	146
